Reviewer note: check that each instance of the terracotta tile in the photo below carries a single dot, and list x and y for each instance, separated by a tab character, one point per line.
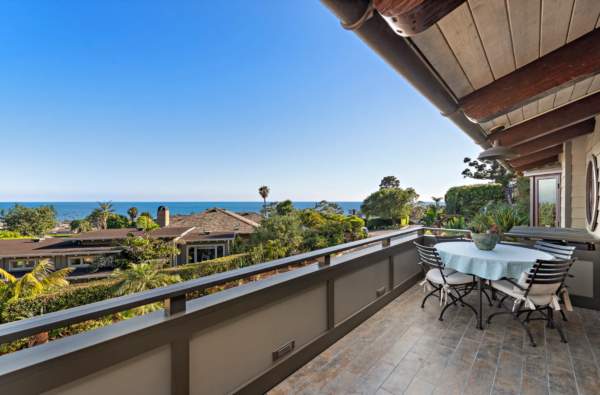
508	372
330	370
343	382
369	383
305	389
420	387
298	377
531	386
381	391
454	377
557	354
514	342
561	382
473	333
586	376
403	374
339	346
534	365
434	366
481	378
579	347
428	341
454	333
489	350
402	346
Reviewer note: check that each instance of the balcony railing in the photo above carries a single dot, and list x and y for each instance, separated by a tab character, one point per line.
243	340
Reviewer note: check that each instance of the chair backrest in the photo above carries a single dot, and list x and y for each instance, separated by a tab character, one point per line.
556	250
445	239
429	256
546	277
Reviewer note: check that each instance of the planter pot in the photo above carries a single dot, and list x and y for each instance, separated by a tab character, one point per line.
485	241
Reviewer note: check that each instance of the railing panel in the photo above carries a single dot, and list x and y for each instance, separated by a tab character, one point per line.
148	374
404	263
358	289
227	355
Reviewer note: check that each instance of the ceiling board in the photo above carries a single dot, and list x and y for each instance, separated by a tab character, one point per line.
546	104
530	110
502	120
525	27
556	15
584	18
433	45
581	88
595	84
515	116
487	126
563	96
462	36
491	19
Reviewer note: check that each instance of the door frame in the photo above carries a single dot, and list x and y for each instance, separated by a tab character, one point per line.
534	205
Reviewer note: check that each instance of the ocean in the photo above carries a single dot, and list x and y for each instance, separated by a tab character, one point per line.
79	210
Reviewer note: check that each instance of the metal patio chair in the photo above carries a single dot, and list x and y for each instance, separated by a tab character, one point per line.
535	291
443	280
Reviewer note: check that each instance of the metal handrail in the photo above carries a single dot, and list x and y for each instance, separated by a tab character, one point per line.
448	230
43	323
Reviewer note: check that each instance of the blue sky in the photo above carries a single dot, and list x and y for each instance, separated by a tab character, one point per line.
206	101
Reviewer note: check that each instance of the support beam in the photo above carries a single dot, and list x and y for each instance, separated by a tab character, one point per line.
559	137
539	163
411	17
564	116
559	69
527	159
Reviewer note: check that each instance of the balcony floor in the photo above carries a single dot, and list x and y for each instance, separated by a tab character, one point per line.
404	349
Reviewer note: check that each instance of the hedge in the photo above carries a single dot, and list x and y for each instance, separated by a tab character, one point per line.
467	200
378	222
82	294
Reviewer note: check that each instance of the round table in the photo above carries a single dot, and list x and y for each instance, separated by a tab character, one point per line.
504	261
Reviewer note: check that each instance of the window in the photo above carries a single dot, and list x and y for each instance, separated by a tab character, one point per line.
205	253
80	261
25	264
591	193
546	200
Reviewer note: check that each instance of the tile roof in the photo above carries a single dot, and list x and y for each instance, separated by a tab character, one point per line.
107	234
215	220
55	246
171	231
256	217
201	236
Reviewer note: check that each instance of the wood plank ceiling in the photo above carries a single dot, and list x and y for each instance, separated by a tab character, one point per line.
484	40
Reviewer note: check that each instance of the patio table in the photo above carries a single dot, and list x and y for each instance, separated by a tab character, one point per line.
504	261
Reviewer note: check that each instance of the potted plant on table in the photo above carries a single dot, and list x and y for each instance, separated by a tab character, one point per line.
485	235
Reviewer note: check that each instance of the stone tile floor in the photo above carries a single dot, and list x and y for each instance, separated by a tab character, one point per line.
404	349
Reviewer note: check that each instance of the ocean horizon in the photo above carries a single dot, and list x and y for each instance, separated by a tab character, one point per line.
79	210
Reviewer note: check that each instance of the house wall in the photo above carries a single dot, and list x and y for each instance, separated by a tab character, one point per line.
59	261
181	259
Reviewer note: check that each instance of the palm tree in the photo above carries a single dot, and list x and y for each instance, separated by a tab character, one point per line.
133	212
437	201
142	277
264	193
41	279
105	210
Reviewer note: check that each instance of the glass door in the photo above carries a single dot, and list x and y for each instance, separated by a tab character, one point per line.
547	201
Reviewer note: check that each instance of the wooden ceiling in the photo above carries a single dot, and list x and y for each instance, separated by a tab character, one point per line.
482	41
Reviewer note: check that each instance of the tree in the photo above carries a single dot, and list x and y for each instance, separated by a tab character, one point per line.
80	226
284	207
117	222
490	170
287	228
34	221
140	277
102	213
331	208
133	212
389	182
270	208
41	279
264	193
147	223
388	203
437	201
147	214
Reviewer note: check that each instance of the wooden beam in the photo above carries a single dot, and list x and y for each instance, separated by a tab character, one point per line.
411	17
539	163
559	137
527	159
564	116
559	69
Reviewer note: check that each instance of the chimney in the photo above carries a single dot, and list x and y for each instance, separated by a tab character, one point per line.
162	216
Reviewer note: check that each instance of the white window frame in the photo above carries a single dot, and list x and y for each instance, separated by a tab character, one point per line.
80	257
187	257
24	268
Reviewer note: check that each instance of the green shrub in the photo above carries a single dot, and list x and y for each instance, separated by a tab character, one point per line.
379	223
5	234
467	200
82	294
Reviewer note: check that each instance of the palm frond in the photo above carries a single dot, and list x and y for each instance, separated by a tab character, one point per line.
42	269
57	279
6	276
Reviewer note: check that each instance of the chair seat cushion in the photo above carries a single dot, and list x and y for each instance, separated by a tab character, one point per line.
452	277
509	289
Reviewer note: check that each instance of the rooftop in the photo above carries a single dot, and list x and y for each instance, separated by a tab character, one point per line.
216	220
28	247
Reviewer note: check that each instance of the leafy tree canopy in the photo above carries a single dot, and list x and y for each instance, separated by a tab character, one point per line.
389	182
147	214
490	170
284	208
34	221
388	203
116	221
147	223
80	226
330	208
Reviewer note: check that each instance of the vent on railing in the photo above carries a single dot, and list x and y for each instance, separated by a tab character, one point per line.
281	351
380	291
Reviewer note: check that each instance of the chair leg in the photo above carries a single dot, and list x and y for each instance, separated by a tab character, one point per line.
428	295
487	296
502	300
553	325
564	318
531	342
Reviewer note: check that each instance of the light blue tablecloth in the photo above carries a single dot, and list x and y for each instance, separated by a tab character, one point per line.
502	261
